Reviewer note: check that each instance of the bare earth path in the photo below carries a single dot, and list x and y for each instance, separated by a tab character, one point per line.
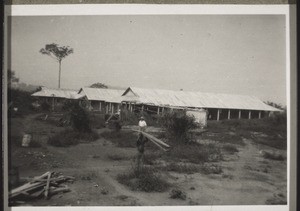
247	178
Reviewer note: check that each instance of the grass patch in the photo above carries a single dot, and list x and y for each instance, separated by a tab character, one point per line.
121	138
151	156
273	155
117	157
88	175
35	144
195	153
230	148
225	138
271	141
146	179
70	137
275	129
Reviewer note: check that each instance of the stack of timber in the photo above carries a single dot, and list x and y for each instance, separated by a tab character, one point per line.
45	186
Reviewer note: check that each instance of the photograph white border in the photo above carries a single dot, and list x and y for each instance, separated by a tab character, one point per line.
140	9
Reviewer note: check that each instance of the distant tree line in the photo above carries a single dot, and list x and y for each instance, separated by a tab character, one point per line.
99	85
275	105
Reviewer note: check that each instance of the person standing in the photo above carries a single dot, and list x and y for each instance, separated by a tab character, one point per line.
142	124
141	142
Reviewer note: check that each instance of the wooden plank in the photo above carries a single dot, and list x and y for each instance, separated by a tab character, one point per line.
47	186
29	186
24	188
60	189
153	138
154	142
37	193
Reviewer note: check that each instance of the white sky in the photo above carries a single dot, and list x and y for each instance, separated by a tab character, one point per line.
237	54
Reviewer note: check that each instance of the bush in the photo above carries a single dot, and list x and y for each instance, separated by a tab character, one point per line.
45	106
272	155
97	120
177	125
182	168
21	100
146	179
70	137
211	169
177	194
79	118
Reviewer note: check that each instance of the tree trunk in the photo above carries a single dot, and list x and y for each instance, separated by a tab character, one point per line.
59	74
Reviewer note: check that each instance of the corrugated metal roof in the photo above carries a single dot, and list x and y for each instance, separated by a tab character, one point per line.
108	95
59	93
160	97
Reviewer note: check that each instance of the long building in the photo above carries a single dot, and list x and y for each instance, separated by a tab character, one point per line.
219	106
55	97
102	100
157	101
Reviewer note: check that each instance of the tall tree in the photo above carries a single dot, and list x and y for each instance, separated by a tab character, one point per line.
99	85
58	53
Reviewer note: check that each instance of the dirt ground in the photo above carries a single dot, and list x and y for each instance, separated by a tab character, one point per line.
247	177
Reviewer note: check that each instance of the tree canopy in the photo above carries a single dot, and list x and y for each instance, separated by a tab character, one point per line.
11	77
99	85
56	52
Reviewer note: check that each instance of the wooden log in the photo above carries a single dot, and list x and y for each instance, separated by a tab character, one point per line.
47	186
25	188
60	189
37	193
154	142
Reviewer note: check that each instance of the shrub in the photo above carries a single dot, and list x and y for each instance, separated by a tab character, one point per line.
211	169
129	118
177	125
143	179
70	137
79	118
21	100
177	194
45	106
97	120
182	168
272	155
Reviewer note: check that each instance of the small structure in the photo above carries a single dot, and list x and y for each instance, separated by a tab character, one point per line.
55	97
200	116
103	100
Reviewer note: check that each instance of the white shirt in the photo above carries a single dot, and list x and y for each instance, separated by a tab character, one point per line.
142	123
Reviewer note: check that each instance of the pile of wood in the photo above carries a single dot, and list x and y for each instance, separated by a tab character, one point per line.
45	186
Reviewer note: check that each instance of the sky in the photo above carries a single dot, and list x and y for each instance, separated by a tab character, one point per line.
235	54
